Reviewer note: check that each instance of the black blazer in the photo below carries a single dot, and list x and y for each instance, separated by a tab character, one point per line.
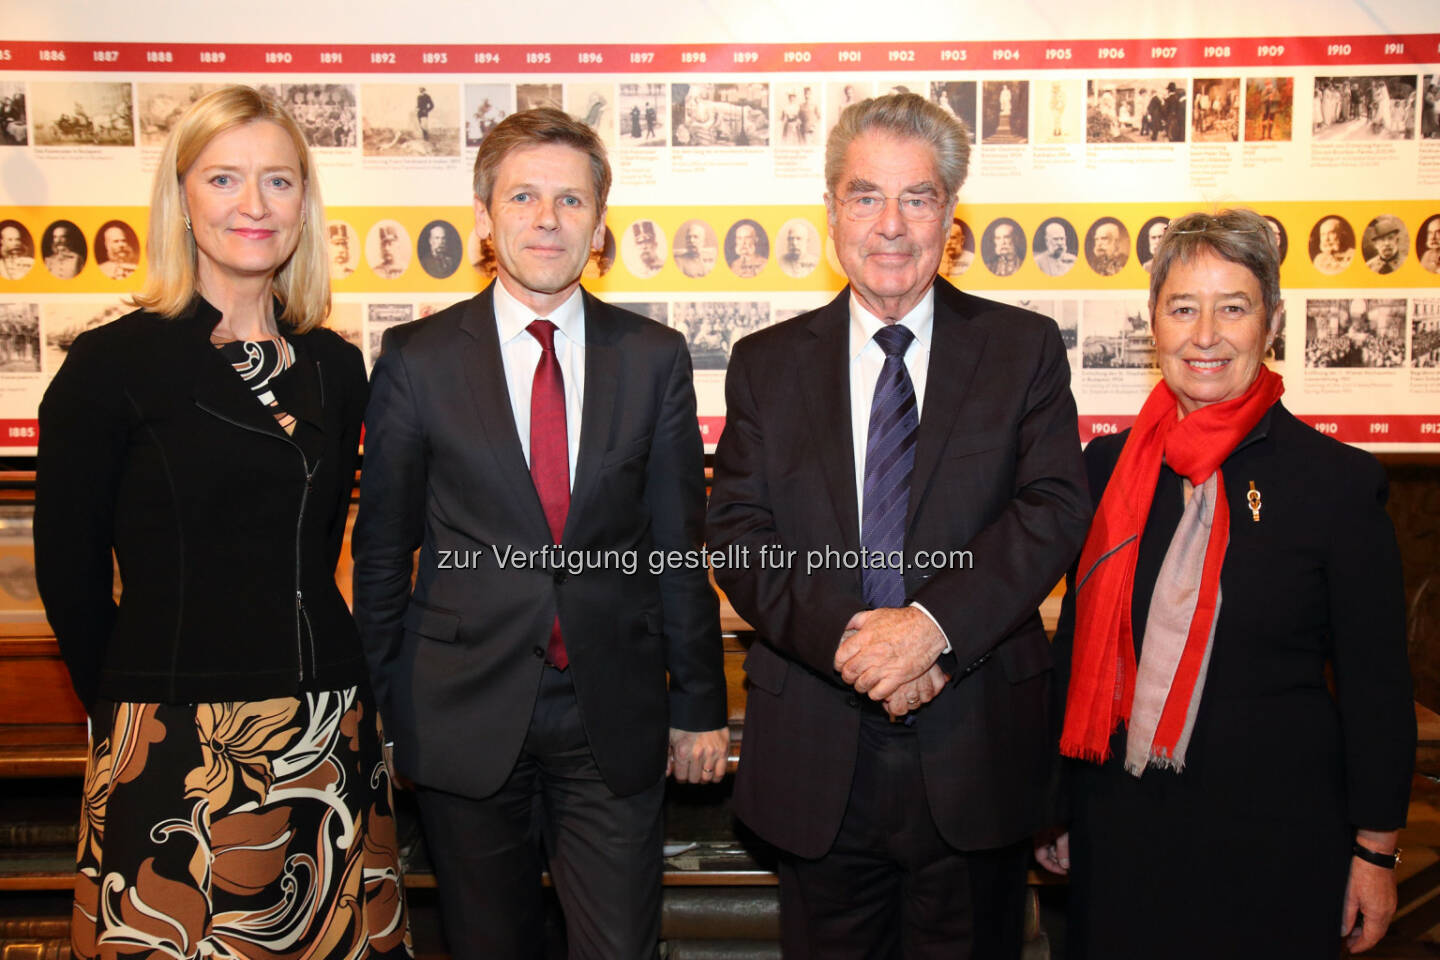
226	529
1315	584
456	660
997	472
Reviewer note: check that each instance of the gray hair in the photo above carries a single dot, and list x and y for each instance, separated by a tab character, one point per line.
908	116
1240	236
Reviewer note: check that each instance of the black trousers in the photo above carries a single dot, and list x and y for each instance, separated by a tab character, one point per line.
604	851
891	887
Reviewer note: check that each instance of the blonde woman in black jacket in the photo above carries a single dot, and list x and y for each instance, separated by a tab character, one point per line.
235	800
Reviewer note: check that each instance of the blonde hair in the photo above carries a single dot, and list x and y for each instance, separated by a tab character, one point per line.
302	283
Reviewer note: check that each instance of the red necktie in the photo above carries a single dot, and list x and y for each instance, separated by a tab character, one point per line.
550	455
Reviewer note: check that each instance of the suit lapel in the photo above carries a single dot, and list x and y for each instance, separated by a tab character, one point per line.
602	365
955	350
825	386
485	375
216	387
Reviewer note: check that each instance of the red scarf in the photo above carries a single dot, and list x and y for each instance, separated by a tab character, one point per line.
1102	677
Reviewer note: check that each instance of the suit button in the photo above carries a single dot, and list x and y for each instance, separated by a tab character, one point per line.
560	576
539	653
852	701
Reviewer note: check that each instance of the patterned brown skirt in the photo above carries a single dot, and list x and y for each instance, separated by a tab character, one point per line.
252	829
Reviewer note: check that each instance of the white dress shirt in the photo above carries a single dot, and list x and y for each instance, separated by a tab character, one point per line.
866	360
520	353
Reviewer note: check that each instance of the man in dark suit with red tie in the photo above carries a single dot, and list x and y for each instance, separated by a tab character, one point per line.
539	447
905	464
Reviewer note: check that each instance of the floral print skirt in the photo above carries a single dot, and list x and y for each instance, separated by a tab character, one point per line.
252	829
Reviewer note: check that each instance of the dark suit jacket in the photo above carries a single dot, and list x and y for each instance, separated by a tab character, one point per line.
997	472
456	662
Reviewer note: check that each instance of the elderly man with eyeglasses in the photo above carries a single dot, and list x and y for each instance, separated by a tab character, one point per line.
902	469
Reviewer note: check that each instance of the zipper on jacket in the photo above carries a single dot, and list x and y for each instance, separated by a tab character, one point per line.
301	617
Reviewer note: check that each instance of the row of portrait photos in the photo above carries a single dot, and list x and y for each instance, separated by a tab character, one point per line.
1383	246
439	119
1357	331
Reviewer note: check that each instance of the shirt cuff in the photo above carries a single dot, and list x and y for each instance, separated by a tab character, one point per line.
927	613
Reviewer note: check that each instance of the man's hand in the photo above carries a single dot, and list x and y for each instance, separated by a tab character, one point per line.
918	692
698	757
890	646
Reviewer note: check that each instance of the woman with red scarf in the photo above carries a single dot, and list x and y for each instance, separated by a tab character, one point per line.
1239	699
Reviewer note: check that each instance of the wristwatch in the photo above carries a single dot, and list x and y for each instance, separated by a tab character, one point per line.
1386	860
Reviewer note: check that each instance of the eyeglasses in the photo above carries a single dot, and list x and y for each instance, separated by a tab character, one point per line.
916	208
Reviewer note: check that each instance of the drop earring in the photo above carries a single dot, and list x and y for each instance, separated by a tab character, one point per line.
187	225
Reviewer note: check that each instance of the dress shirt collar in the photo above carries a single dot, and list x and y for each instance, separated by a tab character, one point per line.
864	324
513	317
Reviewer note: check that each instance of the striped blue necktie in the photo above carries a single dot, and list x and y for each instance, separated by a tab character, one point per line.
889	461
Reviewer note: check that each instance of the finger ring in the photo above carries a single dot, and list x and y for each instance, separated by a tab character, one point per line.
912	699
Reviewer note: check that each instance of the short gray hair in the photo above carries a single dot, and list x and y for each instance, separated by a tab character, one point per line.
1240	236
908	116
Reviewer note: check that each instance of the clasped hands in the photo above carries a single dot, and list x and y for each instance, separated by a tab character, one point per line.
890	655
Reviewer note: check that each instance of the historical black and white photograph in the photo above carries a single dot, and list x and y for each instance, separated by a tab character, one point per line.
1065	313
347	318
840	94
14	131
747	248
1055	246
1385	244
529	96
19	338
1430	115
1005	111
642	115
1059	112
344	249
797	115
326	112
1215	114
696	248
1359	332
601	261
439	249
63	248
1279	234
66	320
381	317
1117	336
1107	246
653	309
711	327
1135	111
161	104
95	114
1427	243
1269	109
720	114
959	249
798	248
410	119
642	249
17	250
1332	244
1425	332
387	249
486	104
1148	239
1002	246
594	105
956	97
1365	108
117	249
